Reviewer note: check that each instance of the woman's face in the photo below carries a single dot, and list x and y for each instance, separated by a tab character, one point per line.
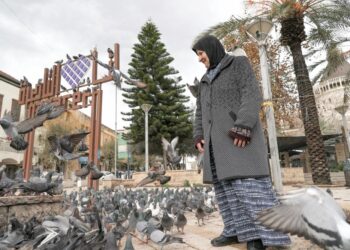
203	58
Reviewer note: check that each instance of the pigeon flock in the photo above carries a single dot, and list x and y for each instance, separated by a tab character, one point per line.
51	183
100	219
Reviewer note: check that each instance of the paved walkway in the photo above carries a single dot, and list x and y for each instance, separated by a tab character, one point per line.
199	237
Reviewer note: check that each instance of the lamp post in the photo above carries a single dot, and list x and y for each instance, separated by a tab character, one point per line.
258	32
116	132
146	108
342	110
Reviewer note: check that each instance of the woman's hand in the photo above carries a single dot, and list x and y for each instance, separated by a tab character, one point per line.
240	136
200	146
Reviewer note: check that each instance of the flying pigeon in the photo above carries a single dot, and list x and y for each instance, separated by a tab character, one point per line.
64	146
311	213
194	88
84	171
154	175
170	150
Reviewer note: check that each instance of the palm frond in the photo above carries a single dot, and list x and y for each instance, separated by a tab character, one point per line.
318	76
314	65
235	27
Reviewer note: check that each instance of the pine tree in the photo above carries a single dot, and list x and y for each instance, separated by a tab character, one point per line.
168	117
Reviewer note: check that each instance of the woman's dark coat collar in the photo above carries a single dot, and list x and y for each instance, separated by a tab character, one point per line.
225	62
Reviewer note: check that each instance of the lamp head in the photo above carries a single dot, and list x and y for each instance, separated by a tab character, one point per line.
259	29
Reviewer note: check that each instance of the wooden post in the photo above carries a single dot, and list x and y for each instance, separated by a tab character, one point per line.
97	132
28	154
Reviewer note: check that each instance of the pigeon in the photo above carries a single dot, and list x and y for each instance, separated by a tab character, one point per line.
5	183
162	239
194	88
111	242
68	57
11	131
59	61
118	75
84	171
14	130
37	187
95	173
200	214
180	221
64	146
154	175
128	243
167	222
110	53
171	153
311	213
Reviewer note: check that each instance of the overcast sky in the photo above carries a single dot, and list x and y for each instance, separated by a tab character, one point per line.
36	33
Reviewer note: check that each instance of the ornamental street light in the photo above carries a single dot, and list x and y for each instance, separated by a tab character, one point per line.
342	110
258	32
146	108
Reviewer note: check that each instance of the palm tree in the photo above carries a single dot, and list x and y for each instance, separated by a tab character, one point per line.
327	19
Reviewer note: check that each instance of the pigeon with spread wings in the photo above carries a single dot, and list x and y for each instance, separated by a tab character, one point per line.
311	213
154	175
171	153
64	146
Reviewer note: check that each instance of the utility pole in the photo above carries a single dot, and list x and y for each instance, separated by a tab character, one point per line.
258	32
146	108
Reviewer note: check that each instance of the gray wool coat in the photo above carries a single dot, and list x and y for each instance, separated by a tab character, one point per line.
232	98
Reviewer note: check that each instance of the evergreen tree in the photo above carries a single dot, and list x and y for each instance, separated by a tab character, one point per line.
168	117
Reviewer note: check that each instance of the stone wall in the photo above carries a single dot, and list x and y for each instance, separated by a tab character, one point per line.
178	178
337	178
292	175
25	207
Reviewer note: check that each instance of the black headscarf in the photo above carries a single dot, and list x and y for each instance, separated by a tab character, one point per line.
212	47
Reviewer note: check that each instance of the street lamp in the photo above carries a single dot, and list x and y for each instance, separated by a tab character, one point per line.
258	32
342	110
146	108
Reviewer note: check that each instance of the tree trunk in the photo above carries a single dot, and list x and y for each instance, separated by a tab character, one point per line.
314	140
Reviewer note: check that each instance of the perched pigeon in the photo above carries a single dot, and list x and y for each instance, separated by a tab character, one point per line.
162	239
311	213
167	222
200	214
180	221
128	243
37	187
118	75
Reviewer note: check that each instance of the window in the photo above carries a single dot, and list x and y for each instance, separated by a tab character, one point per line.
15	110
1	98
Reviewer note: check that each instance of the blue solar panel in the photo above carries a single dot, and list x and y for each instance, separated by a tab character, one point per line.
74	72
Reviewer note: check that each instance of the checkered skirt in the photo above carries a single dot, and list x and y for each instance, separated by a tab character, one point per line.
239	201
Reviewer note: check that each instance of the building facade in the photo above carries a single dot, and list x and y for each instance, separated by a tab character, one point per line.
329	94
9	91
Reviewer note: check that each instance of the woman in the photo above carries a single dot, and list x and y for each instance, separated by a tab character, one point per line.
228	131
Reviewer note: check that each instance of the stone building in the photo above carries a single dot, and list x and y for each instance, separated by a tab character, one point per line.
329	94
9	91
74	121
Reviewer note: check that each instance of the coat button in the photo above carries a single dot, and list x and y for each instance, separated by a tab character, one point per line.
209	121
